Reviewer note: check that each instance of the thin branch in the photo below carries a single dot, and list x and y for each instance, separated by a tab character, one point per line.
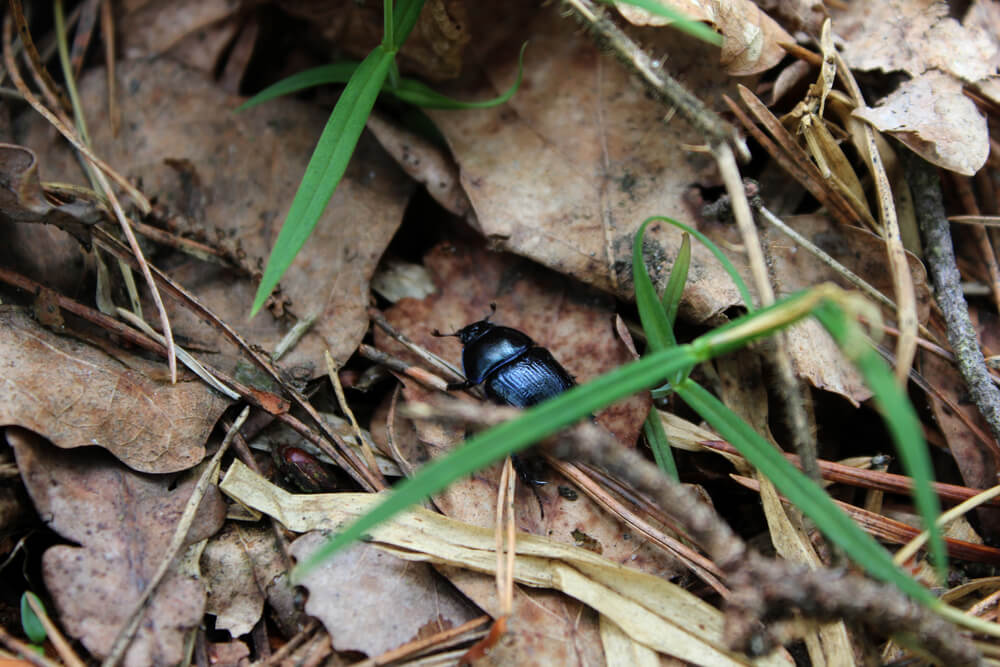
940	255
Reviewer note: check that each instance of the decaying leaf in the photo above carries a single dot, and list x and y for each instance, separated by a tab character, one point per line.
22	198
122	522
76	395
752	38
650	610
195	32
932	116
930	113
239	564
229	179
568	169
353	593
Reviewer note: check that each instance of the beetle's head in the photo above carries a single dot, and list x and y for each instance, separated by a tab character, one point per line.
472	331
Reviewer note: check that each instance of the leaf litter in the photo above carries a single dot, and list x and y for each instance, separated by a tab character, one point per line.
560	177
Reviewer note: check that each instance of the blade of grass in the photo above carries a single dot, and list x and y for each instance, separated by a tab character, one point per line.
803	492
671	299
316	76
408	90
719	255
903	425
326	167
404	17
656	436
30	623
388	26
658	329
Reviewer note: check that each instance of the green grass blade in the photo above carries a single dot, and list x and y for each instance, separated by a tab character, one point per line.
658	329
404	17
495	443
671	299
801	491
30	623
721	256
316	76
680	20
900	419
326	167
421	95
388	26
656	436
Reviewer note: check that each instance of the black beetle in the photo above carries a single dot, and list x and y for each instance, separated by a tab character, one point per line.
512	368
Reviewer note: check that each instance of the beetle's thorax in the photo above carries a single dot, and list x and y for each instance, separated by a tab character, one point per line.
488	347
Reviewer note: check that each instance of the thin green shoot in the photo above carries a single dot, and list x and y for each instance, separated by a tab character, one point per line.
33	627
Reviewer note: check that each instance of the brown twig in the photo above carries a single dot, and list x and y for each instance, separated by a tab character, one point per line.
940	256
396	364
437	362
436	641
24	651
868	479
764	589
896	532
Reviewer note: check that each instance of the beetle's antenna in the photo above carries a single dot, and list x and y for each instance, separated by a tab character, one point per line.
493	311
437	333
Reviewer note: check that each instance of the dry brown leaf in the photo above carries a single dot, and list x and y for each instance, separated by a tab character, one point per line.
567	170
363	588
195	32
76	395
238	565
930	114
122	522
231	178
975	460
752	38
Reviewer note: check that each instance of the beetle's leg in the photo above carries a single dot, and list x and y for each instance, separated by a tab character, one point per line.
458	386
529	474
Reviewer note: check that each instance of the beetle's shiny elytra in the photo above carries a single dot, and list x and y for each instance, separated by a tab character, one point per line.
512	368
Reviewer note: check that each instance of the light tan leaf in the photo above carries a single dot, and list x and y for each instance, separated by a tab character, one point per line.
929	113
914	36
932	116
122	522
76	395
653	611
239	564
